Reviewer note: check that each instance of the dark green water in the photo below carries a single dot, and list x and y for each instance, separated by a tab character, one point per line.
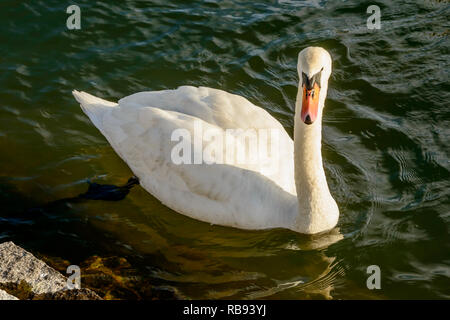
385	144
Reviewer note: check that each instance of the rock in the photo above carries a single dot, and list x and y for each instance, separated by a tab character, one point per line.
27	277
6	296
17	264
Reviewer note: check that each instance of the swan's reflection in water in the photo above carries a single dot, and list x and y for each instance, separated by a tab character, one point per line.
314	281
200	261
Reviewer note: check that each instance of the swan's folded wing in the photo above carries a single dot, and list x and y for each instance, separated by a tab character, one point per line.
212	193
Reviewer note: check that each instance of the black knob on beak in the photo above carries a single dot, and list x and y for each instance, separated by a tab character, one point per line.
308	119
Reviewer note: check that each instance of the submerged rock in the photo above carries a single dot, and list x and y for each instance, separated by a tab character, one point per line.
115	278
26	277
75	294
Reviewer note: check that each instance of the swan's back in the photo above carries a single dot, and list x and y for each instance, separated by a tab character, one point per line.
214	106
140	126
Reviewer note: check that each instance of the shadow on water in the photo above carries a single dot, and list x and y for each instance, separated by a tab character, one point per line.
56	230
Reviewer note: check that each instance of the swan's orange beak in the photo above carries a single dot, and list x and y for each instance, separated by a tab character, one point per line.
310	104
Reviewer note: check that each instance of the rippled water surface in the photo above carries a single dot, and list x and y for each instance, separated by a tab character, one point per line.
385	143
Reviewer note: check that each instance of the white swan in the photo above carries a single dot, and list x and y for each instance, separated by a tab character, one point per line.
246	195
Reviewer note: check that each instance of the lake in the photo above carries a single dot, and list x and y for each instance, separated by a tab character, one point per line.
385	144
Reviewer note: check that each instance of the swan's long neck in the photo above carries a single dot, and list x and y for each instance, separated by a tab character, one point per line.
317	209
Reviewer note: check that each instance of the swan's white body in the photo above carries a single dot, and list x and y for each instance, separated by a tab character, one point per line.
140	127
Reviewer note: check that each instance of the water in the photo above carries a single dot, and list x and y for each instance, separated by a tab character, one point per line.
385	144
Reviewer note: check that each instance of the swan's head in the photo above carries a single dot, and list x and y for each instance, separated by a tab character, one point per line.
314	69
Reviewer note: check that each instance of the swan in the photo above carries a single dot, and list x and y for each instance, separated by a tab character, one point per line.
287	190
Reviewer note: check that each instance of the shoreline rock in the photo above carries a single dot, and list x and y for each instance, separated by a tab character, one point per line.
6	296
23	276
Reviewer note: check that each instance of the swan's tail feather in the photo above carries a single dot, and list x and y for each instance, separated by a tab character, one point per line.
93	106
